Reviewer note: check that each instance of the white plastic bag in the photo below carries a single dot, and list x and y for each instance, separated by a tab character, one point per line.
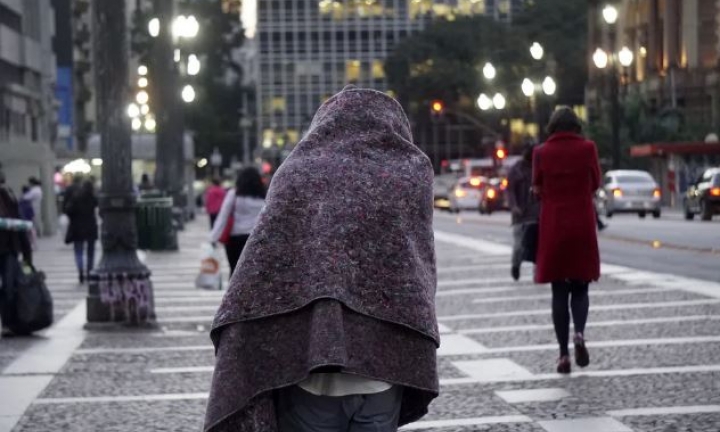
210	277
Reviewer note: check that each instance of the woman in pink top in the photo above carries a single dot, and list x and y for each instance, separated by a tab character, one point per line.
214	196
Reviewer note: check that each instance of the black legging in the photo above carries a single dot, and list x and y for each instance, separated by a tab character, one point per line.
576	294
234	248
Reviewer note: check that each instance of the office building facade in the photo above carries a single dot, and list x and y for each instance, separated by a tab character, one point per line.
28	122
310	49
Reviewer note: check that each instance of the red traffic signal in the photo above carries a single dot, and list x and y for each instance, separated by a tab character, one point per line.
437	107
500	153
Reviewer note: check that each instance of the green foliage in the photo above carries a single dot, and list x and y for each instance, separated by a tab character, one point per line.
446	62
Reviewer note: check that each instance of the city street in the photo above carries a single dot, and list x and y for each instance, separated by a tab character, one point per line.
653	337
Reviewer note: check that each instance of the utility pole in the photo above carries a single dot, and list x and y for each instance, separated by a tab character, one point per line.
170	151
120	289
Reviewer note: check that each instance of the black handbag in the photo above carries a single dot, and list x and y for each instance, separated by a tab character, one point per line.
31	302
530	241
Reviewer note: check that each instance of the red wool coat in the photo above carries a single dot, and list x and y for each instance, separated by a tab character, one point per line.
566	174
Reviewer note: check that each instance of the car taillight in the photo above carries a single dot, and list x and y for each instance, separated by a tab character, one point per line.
657	193
491	193
475	182
617	193
715	191
460	193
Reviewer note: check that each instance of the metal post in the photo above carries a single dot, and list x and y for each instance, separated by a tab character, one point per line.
170	151
120	289
436	145
615	114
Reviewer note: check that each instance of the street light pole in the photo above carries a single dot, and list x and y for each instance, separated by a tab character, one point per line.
615	118
120	289
170	146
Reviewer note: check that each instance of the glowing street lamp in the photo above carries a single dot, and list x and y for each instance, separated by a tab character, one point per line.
133	111
610	14
142	97
484	102
136	124
142	70
150	124
499	101
489	71
626	57
600	58
528	87
193	65
549	86
188	93
536	51
142	82
154	27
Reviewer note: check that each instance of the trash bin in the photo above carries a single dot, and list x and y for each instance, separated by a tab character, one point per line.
155	227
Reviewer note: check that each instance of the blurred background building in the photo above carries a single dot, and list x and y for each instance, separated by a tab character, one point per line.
28	120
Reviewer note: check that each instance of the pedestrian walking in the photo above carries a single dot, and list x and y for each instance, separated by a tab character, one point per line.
566	174
35	196
329	322
13	243
523	205
238	214
80	206
145	183
214	196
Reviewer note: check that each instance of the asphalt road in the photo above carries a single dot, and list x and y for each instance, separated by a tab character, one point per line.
668	245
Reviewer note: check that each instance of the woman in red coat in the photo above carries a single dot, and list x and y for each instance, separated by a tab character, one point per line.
566	174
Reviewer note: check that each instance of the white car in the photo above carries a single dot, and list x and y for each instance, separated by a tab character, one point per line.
629	191
465	194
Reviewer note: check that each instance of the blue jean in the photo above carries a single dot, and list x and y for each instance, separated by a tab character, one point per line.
79	255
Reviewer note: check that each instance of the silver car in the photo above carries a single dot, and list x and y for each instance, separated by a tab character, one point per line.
628	191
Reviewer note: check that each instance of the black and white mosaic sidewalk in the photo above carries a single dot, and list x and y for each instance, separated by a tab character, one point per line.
654	341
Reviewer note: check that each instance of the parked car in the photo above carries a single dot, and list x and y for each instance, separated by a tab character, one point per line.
629	191
703	196
494	196
465	194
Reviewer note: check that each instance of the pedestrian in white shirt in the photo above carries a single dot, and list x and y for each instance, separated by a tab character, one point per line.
238	214
35	196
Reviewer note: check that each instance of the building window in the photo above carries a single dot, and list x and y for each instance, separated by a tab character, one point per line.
378	70
278	104
353	71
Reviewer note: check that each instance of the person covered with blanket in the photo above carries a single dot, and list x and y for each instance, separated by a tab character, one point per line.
329	321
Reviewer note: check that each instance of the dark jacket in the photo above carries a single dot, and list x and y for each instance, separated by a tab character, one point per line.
520	194
13	242
80	209
566	174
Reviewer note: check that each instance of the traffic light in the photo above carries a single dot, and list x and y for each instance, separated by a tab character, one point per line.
500	153
437	108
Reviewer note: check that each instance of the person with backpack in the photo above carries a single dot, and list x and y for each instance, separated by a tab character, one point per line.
13	243
80	207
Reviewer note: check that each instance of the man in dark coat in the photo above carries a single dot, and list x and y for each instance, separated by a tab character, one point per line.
330	316
12	244
523	205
